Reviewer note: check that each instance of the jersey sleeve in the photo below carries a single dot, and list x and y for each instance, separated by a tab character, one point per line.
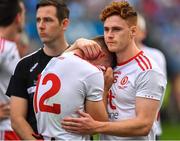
17	83
9	57
151	84
94	86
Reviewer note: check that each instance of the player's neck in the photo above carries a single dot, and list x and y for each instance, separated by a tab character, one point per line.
127	54
55	48
139	45
8	33
55	51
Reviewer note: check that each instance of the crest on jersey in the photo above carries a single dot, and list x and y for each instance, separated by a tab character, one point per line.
123	82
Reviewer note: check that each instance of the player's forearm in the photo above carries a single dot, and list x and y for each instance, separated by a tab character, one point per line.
125	128
105	97
22	128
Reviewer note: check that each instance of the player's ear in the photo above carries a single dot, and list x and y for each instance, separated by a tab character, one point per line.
65	23
18	18
133	30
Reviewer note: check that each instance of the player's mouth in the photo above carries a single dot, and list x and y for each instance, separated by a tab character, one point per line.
110	43
42	34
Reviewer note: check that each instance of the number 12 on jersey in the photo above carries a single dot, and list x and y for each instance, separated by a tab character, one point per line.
56	85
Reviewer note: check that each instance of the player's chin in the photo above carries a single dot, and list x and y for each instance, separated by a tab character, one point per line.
44	40
112	49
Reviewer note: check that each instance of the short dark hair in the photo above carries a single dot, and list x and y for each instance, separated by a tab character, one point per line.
100	40
8	11
61	7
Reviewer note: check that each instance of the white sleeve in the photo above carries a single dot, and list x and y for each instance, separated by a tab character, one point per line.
161	61
94	86
151	84
9	58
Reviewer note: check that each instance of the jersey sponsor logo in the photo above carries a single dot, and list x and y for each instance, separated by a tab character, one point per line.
117	72
33	67
110	99
31	90
113	115
116	75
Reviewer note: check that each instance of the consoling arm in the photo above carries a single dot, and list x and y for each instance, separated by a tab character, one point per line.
18	118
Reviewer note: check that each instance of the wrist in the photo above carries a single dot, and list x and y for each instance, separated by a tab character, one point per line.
100	128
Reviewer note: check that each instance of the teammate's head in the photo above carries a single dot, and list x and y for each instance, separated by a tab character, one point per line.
141	29
9	10
62	10
106	58
122	9
119	26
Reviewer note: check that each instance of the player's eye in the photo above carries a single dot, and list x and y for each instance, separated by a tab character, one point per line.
38	20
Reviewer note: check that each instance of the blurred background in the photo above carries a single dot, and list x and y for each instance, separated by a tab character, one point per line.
163	32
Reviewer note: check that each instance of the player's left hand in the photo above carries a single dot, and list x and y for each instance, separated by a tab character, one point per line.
85	124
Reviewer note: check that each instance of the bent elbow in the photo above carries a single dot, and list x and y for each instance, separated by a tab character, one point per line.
146	130
13	124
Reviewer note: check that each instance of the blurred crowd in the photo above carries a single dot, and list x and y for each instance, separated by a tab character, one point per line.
163	32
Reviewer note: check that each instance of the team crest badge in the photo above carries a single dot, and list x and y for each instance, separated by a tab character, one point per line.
123	82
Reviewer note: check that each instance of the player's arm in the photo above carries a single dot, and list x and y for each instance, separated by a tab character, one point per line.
146	110
19	102
18	118
108	81
4	111
94	106
97	110
140	125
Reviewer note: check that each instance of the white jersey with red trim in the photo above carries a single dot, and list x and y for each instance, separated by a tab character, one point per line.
64	85
157	56
160	59
138	77
9	57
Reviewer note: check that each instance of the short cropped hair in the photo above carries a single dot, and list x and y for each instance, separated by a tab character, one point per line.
122	9
61	7
101	42
8	11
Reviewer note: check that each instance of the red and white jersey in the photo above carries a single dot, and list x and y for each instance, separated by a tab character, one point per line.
64	85
138	77
9	57
159	58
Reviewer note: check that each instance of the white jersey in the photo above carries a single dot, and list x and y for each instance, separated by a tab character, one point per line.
9	57
159	58
65	84
138	77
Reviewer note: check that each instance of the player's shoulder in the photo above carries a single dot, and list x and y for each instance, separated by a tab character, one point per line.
6	45
148	66
76	61
143	62
145	65
28	60
153	51
32	56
